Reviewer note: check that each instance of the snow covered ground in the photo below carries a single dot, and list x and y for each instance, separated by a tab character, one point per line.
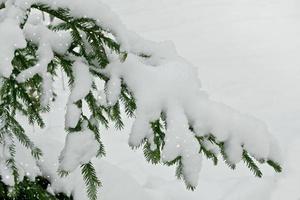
248	56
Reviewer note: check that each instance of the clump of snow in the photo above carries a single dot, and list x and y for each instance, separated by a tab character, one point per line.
15	10
80	148
81	87
11	39
5	172
169	84
97	10
6	175
233	150
101	98
24	5
48	42
159	88
82	81
180	141
113	90
73	114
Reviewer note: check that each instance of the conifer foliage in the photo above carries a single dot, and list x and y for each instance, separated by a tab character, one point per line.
92	50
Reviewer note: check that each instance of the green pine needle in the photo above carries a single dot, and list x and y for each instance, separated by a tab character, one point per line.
251	164
275	165
91	180
152	156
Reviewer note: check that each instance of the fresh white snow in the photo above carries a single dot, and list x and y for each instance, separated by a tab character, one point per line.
81	87
9	29
80	148
246	54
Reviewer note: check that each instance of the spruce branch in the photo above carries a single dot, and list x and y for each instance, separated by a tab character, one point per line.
2	5
275	165
90	43
91	180
251	164
209	154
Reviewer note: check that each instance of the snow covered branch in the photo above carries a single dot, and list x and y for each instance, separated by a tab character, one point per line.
175	120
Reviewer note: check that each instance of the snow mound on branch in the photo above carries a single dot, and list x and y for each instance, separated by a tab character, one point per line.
11	39
82	81
5	172
48	42
81	87
80	148
108	20
72	116
97	10
171	85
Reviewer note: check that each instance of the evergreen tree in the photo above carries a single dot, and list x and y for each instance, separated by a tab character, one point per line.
91	49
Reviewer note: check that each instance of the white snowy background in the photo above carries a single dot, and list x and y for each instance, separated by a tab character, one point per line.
248	56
